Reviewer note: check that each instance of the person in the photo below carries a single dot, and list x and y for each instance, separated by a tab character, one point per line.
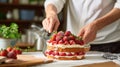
97	21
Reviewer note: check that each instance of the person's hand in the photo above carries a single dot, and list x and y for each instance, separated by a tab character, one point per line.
88	32
51	23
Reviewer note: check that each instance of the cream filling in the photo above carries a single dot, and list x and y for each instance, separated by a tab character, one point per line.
69	56
67	53
69	46
79	56
61	52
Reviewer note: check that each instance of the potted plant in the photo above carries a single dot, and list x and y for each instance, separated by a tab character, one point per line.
8	35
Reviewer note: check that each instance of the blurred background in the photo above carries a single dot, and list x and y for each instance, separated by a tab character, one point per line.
22	12
28	14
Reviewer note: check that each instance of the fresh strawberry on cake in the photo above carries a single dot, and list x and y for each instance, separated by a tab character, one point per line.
66	46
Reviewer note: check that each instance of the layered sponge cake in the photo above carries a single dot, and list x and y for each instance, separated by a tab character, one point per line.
66	46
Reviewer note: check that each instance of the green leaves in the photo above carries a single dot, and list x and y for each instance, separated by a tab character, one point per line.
10	31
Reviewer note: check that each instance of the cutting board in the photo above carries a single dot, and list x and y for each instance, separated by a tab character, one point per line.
25	61
103	64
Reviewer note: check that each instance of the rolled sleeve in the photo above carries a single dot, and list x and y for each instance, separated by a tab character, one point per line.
117	4
57	3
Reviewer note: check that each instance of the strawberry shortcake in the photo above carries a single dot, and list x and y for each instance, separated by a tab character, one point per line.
66	46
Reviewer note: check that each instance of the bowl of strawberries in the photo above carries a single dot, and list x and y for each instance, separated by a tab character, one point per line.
10	52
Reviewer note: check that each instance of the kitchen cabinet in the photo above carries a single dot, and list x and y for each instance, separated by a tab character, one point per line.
23	24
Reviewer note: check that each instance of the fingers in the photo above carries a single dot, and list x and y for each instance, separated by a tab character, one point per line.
81	33
46	24
51	25
84	36
87	35
56	26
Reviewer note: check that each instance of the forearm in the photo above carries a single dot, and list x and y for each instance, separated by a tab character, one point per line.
107	19
50	10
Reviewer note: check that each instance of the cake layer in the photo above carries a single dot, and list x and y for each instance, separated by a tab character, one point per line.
83	49
68	45
67	48
66	57
56	53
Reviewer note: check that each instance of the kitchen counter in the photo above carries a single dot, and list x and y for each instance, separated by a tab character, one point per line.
91	57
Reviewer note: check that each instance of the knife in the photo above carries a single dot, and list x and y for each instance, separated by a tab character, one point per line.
46	36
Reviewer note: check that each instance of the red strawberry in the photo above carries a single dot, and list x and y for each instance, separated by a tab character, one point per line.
46	52
77	41
72	42
54	42
69	54
62	54
56	53
49	41
12	54
50	52
81	42
76	53
61	42
81	53
66	42
14	50
53	38
67	33
58	38
71	37
65	38
53	54
60	33
3	53
18	51
9	49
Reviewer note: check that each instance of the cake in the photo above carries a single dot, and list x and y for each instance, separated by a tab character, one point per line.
66	46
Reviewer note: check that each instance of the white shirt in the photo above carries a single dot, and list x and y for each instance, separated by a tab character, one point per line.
82	12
